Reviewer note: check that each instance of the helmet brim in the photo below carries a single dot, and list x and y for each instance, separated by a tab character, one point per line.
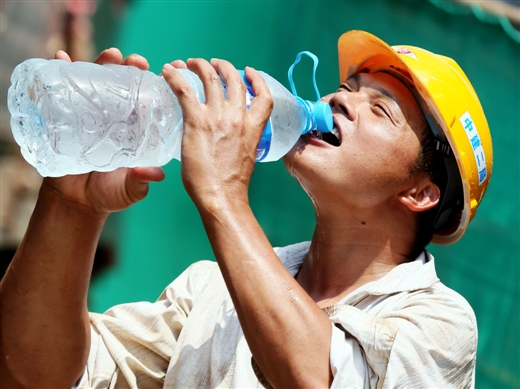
359	49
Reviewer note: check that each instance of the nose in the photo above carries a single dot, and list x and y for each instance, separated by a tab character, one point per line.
346	102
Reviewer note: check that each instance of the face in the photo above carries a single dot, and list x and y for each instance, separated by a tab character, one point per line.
378	123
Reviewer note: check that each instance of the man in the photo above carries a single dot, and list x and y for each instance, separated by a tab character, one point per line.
358	306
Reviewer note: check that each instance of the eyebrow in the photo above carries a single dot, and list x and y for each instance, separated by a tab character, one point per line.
384	91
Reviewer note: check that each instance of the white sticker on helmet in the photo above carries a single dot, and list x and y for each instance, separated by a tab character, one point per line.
476	146
404	51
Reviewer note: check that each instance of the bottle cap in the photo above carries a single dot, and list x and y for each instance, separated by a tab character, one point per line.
322	115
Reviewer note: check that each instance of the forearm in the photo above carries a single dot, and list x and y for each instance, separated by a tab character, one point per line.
44	333
286	331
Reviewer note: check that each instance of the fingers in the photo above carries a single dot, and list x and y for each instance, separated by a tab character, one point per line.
136	60
148	174
210	74
210	80
138	180
235	85
114	56
109	56
180	87
262	105
178	64
60	54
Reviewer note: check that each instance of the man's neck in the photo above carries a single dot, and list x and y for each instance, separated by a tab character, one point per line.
344	256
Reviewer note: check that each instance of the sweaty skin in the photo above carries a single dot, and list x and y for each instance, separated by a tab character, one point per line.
286	330
365	195
218	184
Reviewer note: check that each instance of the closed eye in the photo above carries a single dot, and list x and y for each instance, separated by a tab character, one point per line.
385	111
345	87
382	108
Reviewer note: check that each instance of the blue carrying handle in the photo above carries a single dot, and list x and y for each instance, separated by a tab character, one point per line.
319	114
315	66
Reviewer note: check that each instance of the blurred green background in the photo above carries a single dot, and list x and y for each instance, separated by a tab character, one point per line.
162	235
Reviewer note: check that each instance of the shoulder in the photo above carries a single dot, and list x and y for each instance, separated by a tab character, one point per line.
431	311
437	336
192	281
198	272
202	274
438	313
436	303
414	330
422	294
451	310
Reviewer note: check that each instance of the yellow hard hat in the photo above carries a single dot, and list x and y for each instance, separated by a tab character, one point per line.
454	114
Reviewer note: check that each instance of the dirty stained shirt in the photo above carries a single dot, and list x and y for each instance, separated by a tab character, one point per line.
405	330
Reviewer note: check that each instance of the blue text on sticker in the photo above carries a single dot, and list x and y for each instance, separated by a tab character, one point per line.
476	146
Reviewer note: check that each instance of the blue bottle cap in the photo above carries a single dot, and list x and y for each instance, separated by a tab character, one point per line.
322	115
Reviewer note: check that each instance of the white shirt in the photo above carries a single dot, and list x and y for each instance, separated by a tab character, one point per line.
405	330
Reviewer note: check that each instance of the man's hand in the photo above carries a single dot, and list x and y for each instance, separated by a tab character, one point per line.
220	135
106	192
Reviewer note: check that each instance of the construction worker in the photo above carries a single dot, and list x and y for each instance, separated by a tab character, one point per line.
358	306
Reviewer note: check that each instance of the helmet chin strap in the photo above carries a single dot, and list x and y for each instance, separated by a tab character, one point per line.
451	203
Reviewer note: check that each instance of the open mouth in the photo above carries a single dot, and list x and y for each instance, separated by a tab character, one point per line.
333	138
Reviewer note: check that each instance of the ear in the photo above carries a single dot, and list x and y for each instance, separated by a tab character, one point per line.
422	197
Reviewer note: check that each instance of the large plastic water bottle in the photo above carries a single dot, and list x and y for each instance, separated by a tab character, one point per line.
72	118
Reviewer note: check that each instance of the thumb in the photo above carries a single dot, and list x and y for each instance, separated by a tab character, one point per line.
138	179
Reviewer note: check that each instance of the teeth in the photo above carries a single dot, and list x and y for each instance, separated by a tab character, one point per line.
335	132
332	137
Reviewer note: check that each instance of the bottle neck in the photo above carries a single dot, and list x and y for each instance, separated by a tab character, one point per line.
319	116
308	106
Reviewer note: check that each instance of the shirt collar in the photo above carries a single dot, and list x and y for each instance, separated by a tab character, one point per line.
406	277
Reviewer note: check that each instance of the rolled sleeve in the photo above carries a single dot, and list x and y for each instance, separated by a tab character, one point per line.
131	344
